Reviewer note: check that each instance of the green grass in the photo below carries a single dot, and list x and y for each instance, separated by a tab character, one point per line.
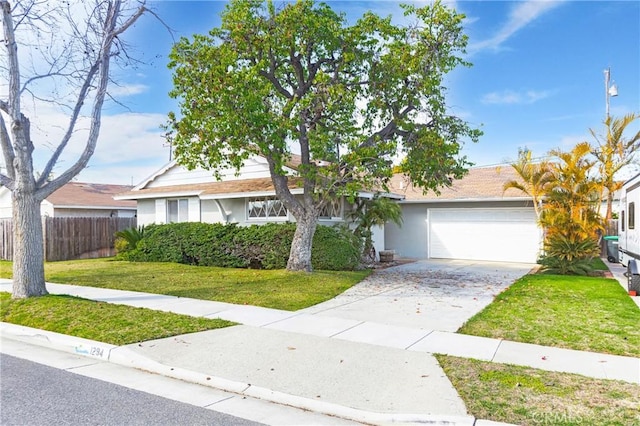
278	289
582	313
104	322
598	265
527	396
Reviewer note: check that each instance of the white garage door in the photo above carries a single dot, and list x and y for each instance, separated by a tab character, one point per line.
509	235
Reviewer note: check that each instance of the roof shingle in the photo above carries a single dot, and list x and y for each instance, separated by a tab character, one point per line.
480	183
214	188
78	194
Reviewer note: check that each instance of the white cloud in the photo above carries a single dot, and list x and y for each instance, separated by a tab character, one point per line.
522	14
510	97
121	90
567	142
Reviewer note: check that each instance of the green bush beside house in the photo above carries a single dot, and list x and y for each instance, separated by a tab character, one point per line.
231	246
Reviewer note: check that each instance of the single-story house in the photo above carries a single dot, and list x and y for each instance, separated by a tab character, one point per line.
77	199
473	219
176	194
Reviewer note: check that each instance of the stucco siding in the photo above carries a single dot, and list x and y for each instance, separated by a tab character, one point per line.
410	239
46	209
146	212
210	213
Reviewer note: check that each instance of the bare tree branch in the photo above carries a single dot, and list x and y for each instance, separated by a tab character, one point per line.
101	67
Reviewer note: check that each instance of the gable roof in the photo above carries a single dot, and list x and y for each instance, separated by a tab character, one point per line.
221	189
294	162
480	184
90	195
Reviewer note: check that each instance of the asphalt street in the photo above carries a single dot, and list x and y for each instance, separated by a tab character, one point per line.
35	394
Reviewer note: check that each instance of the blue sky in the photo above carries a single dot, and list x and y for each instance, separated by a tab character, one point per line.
537	78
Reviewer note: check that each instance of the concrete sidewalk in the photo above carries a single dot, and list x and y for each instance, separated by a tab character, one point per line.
596	365
366	371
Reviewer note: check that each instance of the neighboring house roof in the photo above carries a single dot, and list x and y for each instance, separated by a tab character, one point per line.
480	184
90	195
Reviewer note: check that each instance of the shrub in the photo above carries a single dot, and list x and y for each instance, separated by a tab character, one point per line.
193	243
265	246
128	239
335	249
569	256
257	246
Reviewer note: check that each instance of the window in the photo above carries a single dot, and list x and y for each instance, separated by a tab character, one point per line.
265	208
332	210
178	210
632	215
622	224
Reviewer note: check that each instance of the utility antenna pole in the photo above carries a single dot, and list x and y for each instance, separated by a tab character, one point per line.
610	90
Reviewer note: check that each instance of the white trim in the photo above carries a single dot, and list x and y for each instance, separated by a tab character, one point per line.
295	191
176	194
368	195
153	177
463	200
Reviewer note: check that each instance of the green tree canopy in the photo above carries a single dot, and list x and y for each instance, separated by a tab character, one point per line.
349	98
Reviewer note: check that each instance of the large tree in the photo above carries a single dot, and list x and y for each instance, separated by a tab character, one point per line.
67	48
348	98
613	152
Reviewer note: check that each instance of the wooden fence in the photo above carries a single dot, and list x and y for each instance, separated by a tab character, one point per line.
67	238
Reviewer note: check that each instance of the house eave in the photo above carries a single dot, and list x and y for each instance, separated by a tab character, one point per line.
235	195
369	195
463	200
168	194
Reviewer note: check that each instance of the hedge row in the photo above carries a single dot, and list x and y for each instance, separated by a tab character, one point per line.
257	246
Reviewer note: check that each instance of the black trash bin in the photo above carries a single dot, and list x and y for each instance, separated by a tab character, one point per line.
612	248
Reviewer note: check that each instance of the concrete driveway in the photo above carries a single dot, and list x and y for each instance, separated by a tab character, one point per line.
433	294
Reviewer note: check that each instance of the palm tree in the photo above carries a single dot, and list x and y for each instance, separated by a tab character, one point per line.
613	153
534	178
570	214
572	198
374	212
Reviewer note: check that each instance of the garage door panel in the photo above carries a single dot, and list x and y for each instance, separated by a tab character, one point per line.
483	234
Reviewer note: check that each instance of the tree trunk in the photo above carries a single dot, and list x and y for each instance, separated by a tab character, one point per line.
300	254
28	254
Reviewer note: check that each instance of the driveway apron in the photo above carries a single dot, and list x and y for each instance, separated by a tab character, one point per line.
433	294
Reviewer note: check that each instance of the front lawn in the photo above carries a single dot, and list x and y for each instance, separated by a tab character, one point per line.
582	313
278	289
527	396
104	322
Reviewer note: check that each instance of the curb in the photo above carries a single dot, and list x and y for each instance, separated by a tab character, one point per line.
124	356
